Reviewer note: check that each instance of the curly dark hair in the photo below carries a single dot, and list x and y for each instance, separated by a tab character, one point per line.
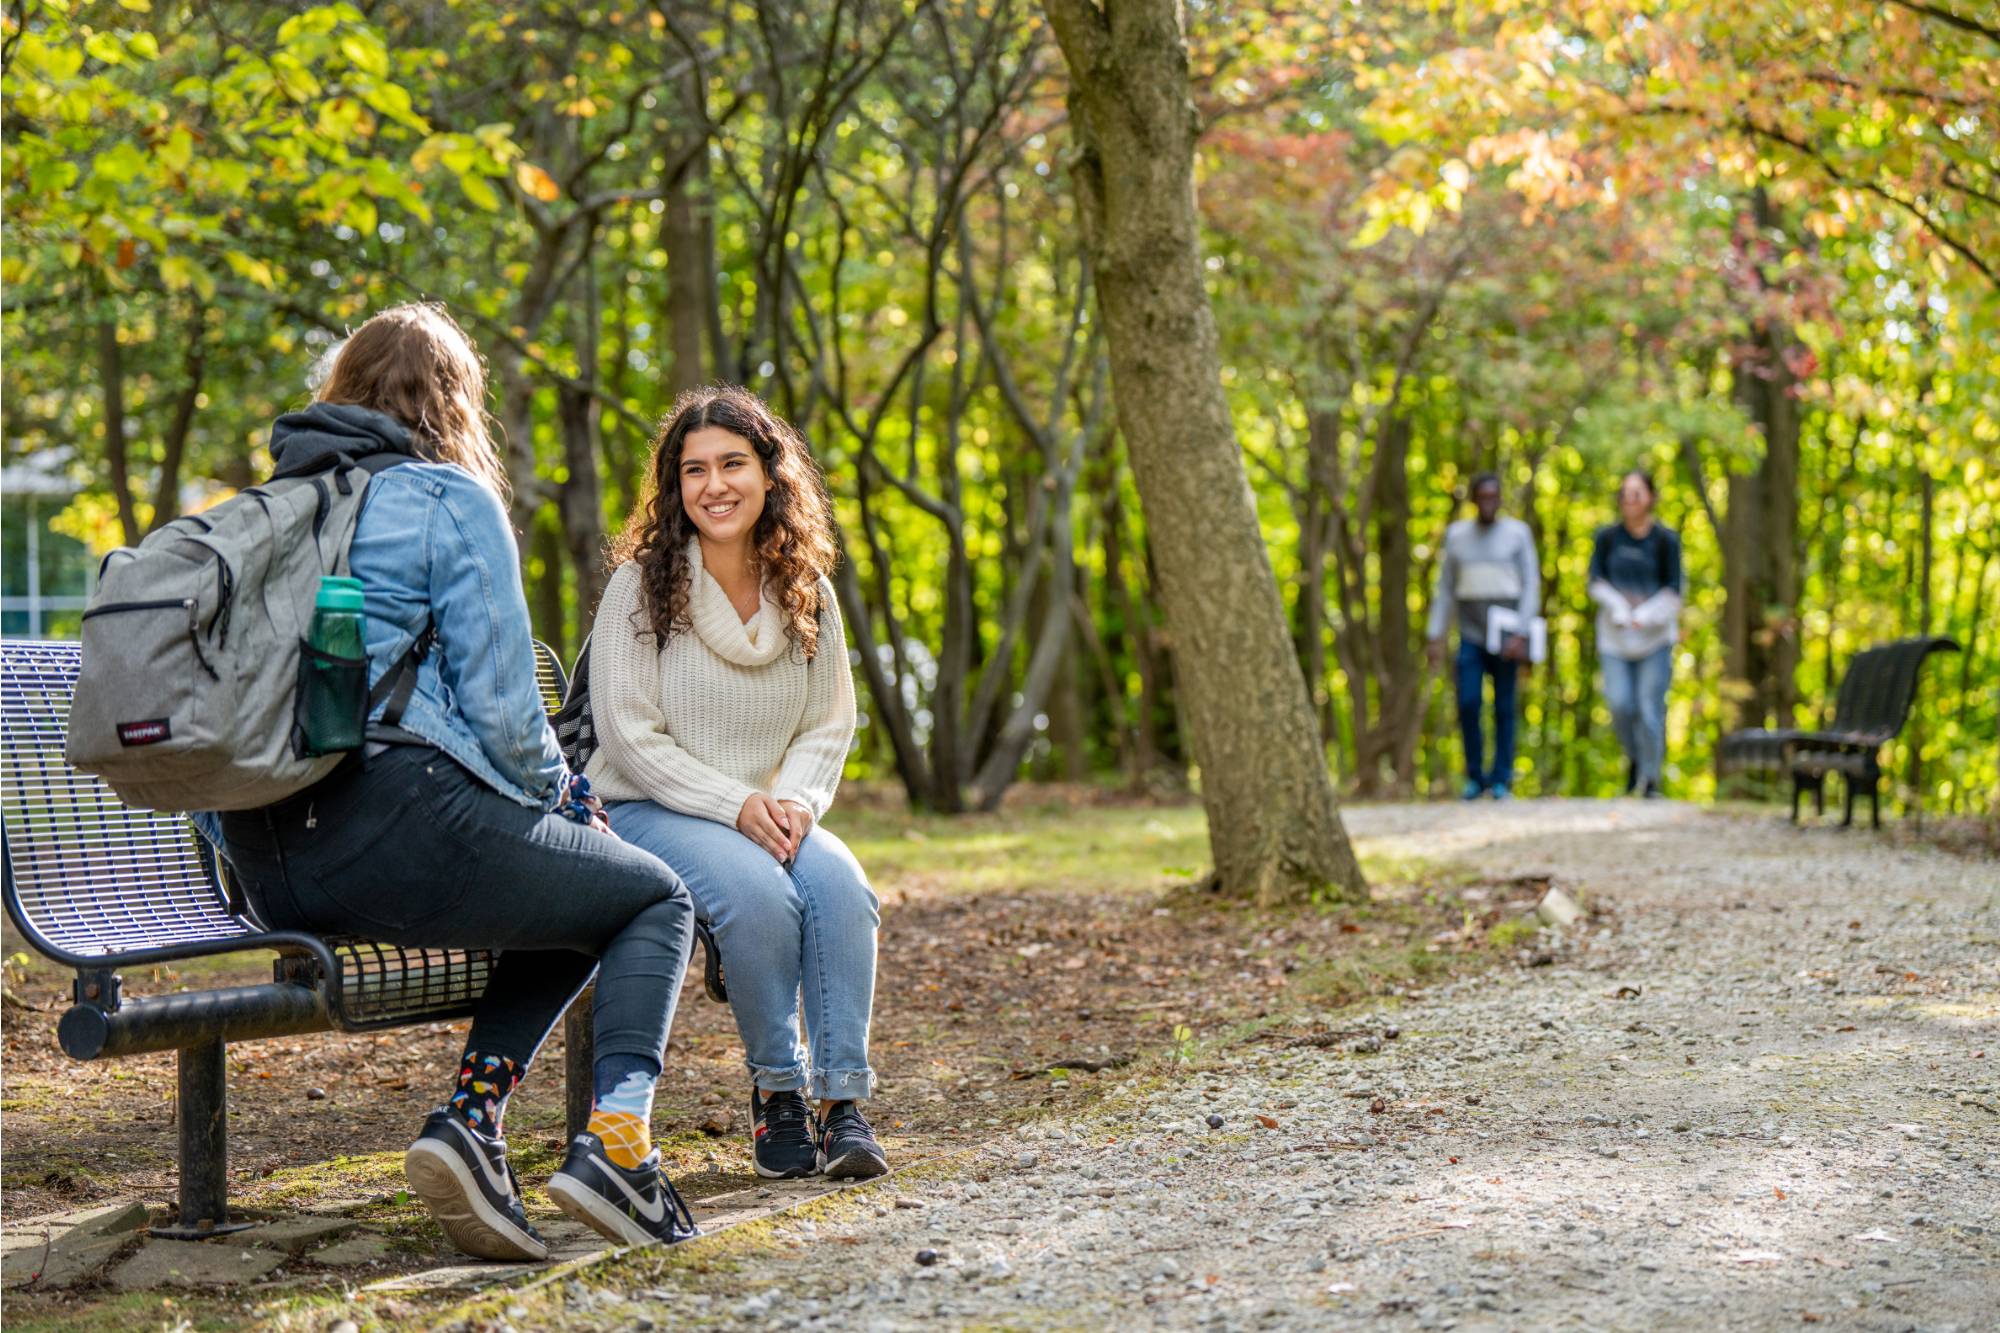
792	544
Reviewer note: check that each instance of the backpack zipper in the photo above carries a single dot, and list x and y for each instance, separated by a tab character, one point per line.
187	604
114	608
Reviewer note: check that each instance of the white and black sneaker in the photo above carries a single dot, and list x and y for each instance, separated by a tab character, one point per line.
639	1206
781	1135
847	1146
464	1178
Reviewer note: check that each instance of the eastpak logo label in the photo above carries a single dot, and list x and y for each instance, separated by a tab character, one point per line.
145	733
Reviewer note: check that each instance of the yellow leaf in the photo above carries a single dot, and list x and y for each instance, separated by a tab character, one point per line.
536	182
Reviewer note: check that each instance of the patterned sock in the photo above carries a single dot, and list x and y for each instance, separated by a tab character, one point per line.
484	1084
621	1109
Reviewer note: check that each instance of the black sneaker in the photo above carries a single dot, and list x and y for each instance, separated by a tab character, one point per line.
464	1178
1631	777
781	1135
847	1146
1654	791
639	1206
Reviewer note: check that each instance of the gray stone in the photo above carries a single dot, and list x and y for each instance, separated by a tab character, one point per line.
73	1247
354	1250
293	1234
193	1263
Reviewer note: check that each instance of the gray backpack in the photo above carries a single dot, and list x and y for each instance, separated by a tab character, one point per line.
194	652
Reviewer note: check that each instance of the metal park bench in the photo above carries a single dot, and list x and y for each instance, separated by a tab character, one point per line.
1876	695
96	885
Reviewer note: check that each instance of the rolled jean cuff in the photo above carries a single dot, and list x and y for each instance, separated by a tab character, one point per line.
843	1085
773	1079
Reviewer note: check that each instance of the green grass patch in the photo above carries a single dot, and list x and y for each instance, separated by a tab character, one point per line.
1037	848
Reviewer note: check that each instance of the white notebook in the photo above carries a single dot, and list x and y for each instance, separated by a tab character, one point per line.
1500	622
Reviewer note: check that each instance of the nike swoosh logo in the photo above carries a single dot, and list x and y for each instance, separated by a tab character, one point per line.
494	1180
652	1212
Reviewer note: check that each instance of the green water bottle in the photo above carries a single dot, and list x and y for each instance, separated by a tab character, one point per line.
335	667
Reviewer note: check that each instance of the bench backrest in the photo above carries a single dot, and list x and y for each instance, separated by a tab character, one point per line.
1880	685
86	873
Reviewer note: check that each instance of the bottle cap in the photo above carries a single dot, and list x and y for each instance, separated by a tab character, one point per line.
338	594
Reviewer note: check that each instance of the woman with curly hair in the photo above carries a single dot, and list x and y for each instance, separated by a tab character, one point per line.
723	708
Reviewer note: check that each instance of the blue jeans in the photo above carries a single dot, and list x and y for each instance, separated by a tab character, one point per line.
1636	691
811	930
1474	665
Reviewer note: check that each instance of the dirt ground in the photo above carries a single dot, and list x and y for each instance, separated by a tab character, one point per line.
1755	1089
1028	959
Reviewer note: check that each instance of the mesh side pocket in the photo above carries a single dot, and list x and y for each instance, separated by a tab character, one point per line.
331	714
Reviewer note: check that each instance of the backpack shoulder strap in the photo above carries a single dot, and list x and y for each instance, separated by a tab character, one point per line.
399	682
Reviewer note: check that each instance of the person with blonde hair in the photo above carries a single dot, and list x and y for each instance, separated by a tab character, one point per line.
723	708
458	825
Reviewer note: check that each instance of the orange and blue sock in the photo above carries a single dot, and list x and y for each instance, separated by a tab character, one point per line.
621	1107
484	1084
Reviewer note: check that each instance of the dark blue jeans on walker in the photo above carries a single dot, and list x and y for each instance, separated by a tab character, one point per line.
1474	665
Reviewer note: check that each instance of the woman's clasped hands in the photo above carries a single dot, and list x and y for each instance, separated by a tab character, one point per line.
776	826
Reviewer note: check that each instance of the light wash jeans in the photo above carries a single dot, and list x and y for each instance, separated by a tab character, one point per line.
812	930
1636	690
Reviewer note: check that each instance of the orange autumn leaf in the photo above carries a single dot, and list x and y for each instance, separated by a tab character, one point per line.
536	182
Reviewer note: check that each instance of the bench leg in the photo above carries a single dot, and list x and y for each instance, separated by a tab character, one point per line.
1874	804
1847	815
1798	786
204	1125
579	1054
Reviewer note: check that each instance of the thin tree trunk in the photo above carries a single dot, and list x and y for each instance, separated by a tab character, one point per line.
582	499
687	235
117	453
1760	530
166	492
1274	824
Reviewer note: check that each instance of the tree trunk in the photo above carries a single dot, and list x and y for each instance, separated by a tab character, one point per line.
117	453
548	590
687	235
167	491
1760	531
1274	825
582	499
1397	681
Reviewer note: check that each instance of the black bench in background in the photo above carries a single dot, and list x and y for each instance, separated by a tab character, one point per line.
1877	692
95	885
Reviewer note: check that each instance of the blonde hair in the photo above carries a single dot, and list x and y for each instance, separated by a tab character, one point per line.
414	363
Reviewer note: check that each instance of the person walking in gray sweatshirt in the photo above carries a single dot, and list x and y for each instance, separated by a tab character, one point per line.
1488	562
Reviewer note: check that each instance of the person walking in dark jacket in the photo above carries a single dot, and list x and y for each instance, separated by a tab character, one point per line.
1635	579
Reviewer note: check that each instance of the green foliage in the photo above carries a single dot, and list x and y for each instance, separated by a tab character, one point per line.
1497	234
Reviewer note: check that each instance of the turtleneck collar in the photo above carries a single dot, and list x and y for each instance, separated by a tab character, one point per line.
759	641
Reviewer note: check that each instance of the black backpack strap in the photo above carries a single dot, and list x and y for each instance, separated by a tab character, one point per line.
399	682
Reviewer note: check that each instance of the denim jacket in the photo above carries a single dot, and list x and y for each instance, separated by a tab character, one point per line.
432	548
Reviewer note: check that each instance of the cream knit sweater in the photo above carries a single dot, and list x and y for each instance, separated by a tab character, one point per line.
711	717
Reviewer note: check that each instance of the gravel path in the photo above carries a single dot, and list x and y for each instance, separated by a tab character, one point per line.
1795	1119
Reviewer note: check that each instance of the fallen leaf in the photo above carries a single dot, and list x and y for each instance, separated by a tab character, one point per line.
1268	1121
1775	1190
1756	1257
